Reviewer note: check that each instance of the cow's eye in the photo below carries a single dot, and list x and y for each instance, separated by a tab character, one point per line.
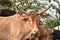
30	20
25	19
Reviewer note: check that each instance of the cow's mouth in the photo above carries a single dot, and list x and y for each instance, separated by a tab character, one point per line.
32	37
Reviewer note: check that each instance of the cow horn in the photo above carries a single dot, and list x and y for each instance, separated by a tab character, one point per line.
40	12
22	11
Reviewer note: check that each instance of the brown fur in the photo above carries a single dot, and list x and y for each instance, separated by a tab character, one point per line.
15	28
45	32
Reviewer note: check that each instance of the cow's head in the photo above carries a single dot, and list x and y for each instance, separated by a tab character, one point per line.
32	18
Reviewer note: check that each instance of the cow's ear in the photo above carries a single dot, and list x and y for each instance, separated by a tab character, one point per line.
25	19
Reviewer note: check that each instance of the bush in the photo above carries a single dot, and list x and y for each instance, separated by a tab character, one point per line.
53	23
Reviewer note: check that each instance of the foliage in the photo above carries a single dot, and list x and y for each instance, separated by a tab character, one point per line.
58	10
5	3
53	22
45	15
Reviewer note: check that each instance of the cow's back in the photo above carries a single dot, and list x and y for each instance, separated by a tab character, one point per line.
8	28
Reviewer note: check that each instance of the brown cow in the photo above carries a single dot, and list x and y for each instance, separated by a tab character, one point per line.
17	27
45	33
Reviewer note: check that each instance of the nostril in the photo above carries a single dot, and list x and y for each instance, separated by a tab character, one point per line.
36	31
